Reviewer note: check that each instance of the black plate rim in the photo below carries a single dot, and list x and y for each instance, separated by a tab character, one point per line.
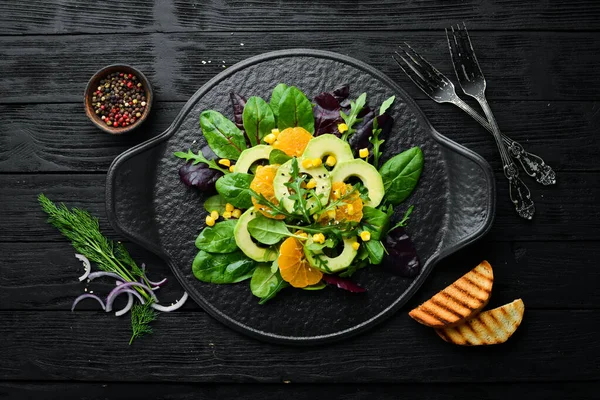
318	339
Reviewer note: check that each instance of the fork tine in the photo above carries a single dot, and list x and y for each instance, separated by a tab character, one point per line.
457	54
413	75
432	71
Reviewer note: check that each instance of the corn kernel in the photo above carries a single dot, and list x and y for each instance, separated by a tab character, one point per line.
319	238
363	153
365	236
275	132
225	162
236	213
355	245
307	163
214	214
232	168
317	162
270	138
331	214
350	209
227	214
330	161
311	184
303	234
342	128
210	221
229	207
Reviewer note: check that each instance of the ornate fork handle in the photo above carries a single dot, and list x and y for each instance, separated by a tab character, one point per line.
533	165
519	192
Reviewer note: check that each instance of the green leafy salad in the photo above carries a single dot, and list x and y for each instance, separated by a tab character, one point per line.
304	196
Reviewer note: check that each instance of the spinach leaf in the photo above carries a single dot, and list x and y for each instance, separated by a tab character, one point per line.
278	157
235	189
295	110
386	105
317	286
400	175
376	221
215	203
265	284
219	238
375	250
276	98
267	230
258	119
222	268
223	137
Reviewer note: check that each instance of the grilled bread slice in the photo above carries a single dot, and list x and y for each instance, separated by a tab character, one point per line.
459	301
490	327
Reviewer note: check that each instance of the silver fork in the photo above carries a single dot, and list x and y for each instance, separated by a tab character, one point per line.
473	83
441	90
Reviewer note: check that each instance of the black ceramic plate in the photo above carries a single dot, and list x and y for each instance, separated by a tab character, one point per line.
147	204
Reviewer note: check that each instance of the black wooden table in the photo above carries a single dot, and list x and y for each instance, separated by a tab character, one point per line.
541	60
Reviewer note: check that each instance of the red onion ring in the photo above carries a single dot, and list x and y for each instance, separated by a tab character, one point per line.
120	289
86	265
173	307
100	274
127	307
88	296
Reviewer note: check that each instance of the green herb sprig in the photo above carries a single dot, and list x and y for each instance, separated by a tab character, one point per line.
141	317
351	118
199	158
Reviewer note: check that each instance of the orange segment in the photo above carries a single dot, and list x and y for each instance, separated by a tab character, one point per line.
350	210
294	267
263	184
292	141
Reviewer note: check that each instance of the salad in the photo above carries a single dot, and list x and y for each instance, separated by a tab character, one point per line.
304	197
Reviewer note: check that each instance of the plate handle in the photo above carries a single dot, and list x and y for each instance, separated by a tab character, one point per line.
472	197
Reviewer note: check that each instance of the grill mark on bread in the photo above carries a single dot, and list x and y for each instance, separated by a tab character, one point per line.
476	284
447	308
457	300
424	309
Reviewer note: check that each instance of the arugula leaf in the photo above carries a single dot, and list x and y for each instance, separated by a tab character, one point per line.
299	196
376	142
313	246
386	104
278	157
405	218
222	268
295	110
352	117
218	238
265	283
276	96
267	230
223	137
400	174
199	158
258	119
215	203
235	189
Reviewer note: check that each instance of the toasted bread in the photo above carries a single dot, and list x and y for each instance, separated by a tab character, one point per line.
490	327
459	301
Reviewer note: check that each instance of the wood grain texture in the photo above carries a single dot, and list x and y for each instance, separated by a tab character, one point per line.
192	347
66	16
43	276
563	133
188	391
518	66
567	211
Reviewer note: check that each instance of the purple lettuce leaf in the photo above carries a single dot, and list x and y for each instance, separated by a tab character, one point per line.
327	114
343	283
341	93
200	176
364	130
401	258
239	102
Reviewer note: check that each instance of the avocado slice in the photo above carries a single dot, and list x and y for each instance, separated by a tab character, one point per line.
244	240
319	174
251	155
335	264
326	145
367	173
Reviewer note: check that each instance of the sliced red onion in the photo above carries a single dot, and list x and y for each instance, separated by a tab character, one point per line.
159	283
120	289
136	294
173	307
86	296
86	265
101	274
127	307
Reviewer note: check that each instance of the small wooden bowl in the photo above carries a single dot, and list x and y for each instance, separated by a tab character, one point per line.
94	83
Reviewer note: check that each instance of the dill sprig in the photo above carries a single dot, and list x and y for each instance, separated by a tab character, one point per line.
141	317
83	230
